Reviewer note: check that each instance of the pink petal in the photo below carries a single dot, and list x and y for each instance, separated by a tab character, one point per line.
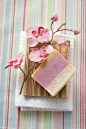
45	36
30	29
63	44
54	17
16	66
62	41
20	57
7	65
34	32
49	48
34	55
41	60
40	29
32	42
35	49
76	31
11	61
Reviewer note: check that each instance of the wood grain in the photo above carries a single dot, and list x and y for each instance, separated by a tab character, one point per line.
31	87
66	54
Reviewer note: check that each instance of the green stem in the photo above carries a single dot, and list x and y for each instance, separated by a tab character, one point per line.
27	76
22	71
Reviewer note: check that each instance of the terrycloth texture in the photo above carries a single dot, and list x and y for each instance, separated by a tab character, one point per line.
17	15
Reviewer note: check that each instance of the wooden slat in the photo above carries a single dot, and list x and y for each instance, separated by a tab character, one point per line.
66	54
31	87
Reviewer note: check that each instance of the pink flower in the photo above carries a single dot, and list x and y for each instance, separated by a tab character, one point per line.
54	17
15	63
37	34
76	31
39	55
62	41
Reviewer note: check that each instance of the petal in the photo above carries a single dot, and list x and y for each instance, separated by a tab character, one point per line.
54	17
76	31
62	44
62	41
34	32
45	36
30	29
16	66
35	27
11	61
20	57
34	55
41	60
32	42
7	65
35	49
49	49
40	29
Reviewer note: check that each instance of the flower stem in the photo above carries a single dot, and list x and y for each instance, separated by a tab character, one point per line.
22	71
58	29
66	29
27	76
51	30
49	42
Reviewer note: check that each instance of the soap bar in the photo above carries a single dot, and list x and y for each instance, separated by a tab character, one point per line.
54	73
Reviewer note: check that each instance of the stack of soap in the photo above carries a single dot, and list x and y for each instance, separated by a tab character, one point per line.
54	73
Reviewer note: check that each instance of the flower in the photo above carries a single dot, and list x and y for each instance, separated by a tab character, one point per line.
76	31
54	17
37	34
62	41
39	55
15	63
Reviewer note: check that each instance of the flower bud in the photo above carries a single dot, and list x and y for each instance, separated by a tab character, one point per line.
76	31
54	17
64	23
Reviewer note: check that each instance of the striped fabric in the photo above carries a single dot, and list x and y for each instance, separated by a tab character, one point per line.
17	15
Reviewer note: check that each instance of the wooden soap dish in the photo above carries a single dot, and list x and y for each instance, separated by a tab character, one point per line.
31	87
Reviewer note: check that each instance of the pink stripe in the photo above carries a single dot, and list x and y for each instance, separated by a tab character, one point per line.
82	72
58	123
80	65
74	91
1	24
24	15
65	13
39	121
85	64
65	33
83	93
18	124
10	68
74	78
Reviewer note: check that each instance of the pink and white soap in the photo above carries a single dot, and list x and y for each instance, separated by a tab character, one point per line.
54	73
